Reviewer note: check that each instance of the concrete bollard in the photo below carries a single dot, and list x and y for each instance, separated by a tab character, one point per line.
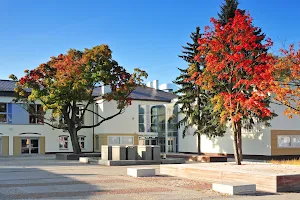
106	153
155	152
118	153
131	153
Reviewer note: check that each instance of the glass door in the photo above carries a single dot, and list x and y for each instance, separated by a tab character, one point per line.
29	146
34	146
25	146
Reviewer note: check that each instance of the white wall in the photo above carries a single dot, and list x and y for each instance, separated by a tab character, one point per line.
51	135
282	122
255	142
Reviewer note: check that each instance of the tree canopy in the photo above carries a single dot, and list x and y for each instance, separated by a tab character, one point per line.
239	68
71	79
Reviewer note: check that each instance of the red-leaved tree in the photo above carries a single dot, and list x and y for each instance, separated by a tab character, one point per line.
66	85
287	84
238	70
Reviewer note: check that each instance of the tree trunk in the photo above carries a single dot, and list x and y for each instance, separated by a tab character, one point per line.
239	137
74	139
235	143
199	144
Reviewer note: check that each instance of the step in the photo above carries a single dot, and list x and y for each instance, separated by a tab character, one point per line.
234	188
140	172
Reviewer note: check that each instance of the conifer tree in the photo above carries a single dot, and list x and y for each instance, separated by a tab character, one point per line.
194	103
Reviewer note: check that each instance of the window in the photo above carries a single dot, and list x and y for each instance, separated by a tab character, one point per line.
120	140
79	114
63	142
158	117
126	140
288	141
81	139
3	113
36	114
142	116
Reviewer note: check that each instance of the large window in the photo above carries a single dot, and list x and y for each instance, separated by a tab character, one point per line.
151	118
144	118
120	140
36	114
63	142
81	139
288	141
158	119
3	113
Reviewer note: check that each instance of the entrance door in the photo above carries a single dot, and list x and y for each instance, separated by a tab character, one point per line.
29	146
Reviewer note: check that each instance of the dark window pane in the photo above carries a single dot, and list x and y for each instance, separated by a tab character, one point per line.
141	128
141	110
141	119
161	119
3	107
34	143
161	127
3	118
153	142
153	128
154	110
153	119
34	150
161	110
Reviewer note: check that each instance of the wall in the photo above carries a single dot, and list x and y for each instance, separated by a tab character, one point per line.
282	122
51	135
259	137
255	142
126	123
189	142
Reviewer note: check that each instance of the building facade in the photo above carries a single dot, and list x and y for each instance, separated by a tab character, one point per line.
150	120
143	122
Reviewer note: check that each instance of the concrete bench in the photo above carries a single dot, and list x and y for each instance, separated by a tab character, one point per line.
234	188
140	172
84	160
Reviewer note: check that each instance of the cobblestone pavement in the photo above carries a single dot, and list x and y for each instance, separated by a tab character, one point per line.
46	178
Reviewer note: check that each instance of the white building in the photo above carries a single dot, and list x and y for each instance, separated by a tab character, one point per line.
144	122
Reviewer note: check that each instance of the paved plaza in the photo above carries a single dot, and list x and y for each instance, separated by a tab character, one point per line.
45	178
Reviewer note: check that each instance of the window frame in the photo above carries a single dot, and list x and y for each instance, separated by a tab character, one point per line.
67	141
291	142
79	141
120	140
4	113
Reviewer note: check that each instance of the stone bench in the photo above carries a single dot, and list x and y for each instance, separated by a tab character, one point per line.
84	160
140	172
234	188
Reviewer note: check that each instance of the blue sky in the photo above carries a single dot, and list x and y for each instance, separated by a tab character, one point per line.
141	33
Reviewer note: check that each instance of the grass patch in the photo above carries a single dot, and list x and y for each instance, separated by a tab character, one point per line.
286	162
